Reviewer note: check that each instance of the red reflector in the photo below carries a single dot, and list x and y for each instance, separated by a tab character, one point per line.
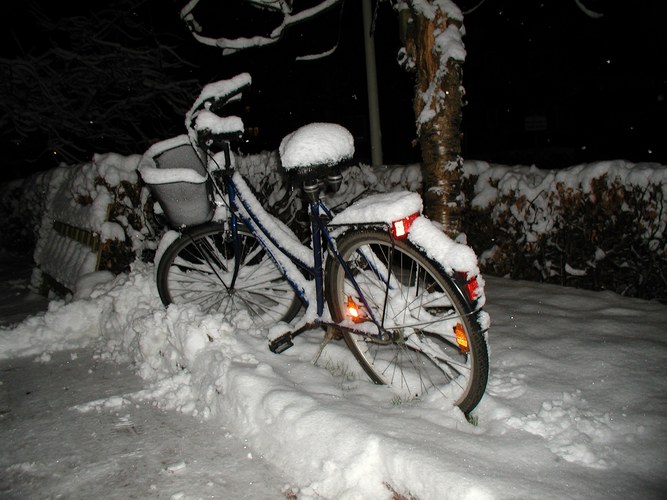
401	227
471	288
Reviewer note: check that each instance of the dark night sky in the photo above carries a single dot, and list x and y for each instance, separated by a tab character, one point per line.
545	83
599	85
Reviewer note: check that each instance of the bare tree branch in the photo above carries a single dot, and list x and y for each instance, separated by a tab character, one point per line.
108	82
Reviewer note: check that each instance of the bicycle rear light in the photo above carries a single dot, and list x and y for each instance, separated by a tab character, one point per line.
401	227
461	337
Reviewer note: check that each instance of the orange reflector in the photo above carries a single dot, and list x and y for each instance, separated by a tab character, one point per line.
400	228
461	338
353	310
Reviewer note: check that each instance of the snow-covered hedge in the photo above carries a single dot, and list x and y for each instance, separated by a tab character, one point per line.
22	204
78	219
597	226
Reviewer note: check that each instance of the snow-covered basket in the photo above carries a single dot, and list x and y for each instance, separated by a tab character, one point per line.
177	178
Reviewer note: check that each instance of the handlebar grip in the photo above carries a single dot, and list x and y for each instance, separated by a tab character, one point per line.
215	95
224	127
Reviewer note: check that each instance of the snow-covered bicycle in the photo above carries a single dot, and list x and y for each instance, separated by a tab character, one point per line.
405	297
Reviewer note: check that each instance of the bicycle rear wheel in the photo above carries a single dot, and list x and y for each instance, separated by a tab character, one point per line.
430	338
199	268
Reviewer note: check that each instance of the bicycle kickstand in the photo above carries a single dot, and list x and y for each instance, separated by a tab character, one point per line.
331	334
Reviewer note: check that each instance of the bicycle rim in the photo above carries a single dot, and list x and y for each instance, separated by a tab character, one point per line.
198	268
431	343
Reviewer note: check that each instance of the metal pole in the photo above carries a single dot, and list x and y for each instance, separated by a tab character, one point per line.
372	85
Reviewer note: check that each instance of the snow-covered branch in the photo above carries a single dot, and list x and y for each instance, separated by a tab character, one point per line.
234	44
474	8
587	11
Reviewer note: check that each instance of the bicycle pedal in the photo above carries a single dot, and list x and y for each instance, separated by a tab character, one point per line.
281	344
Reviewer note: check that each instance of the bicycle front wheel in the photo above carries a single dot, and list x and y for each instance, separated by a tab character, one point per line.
427	338
200	267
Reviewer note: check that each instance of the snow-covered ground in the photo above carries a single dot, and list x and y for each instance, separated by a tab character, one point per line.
112	396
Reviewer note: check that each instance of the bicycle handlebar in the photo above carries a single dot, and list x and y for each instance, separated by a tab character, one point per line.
204	122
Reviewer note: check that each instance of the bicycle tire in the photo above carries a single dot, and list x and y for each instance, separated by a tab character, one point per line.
198	267
422	354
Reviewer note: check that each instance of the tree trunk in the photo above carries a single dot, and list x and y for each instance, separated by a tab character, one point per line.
434	51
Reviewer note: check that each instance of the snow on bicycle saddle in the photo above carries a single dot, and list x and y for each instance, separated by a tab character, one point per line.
315	146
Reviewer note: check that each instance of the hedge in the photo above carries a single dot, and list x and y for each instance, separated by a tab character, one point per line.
599	226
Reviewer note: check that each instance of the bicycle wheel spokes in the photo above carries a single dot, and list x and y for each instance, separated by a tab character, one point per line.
423	354
412	368
430	342
201	267
404	294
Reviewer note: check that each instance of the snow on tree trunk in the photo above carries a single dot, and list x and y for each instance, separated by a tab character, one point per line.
434	50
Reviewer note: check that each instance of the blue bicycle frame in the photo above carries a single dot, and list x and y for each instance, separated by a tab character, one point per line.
315	270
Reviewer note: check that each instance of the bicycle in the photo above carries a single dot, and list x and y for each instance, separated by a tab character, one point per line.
405	298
